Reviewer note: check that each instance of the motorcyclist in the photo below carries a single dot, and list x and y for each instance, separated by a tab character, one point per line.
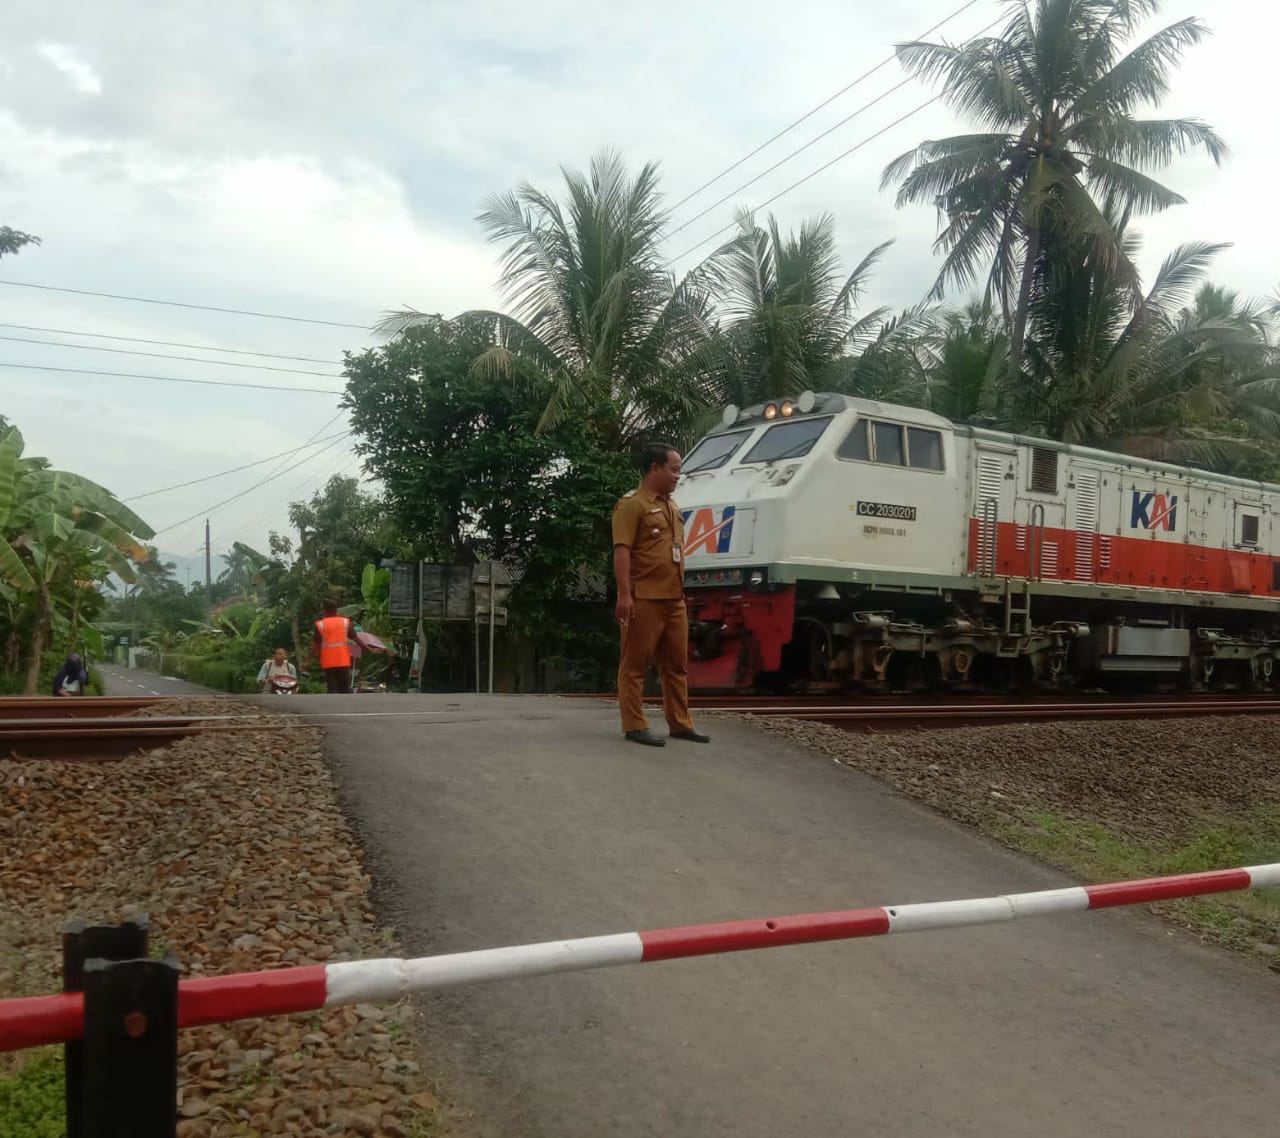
277	666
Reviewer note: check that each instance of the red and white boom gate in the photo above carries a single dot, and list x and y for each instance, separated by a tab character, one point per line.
119	1013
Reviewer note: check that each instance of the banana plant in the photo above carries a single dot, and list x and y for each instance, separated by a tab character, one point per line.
52	521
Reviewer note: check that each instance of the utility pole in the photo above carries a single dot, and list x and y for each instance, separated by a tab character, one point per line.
208	571
493	616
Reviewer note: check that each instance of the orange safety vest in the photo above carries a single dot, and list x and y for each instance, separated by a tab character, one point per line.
334	652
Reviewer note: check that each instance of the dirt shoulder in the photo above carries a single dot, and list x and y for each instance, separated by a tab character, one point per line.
1102	800
234	846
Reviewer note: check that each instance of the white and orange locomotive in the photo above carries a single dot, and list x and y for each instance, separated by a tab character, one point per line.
838	542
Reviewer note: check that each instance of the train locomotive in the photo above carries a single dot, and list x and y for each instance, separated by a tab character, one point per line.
839	543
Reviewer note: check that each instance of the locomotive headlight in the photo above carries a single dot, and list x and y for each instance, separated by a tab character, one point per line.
757	577
771	411
788	409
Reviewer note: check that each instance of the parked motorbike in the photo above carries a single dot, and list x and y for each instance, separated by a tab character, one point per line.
282	685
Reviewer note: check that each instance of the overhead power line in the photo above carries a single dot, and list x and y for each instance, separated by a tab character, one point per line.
329	423
166	344
256	486
800	182
181	304
167	356
799	150
173	379
810	113
233	470
319	431
838	158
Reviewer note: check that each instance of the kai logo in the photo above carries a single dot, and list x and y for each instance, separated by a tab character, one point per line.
706	533
1154	511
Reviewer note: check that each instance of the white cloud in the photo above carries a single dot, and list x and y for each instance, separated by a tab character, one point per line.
77	70
254	157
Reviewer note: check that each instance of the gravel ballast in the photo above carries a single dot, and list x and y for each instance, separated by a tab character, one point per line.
235	848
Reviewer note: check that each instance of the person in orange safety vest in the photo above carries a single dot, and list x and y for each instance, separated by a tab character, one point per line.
330	643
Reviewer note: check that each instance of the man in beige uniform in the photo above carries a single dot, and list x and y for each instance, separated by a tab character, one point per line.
648	564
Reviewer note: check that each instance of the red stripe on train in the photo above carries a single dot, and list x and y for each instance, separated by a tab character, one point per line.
1145	562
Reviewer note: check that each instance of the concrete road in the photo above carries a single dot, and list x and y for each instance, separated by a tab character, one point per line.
134	681
492	821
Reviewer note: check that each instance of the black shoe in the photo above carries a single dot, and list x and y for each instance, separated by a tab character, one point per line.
690	736
647	737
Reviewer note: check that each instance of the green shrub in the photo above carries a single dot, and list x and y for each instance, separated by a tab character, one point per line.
220	674
31	1101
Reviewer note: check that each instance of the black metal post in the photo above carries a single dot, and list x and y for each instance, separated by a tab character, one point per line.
81	942
130	1073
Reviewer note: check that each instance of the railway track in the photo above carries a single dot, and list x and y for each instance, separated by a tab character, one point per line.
908	717
78	707
904	713
114	737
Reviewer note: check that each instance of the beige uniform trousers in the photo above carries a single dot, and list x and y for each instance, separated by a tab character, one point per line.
657	634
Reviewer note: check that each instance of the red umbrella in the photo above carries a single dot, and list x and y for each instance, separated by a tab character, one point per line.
368	640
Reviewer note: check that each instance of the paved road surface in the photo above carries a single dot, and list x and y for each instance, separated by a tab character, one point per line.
134	681
491	821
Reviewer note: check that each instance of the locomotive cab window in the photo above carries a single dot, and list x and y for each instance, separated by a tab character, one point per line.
857	445
1248	529
924	449
890	444
713	452
889	448
788	440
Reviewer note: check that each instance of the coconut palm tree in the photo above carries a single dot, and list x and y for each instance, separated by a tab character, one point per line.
790	314
1055	96
11	240
965	381
593	311
1185	375
155	575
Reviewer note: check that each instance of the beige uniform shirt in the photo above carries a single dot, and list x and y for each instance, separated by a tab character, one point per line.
651	525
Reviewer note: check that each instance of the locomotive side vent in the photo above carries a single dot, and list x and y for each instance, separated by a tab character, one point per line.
1044	470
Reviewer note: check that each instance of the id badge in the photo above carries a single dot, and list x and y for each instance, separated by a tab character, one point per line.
675	554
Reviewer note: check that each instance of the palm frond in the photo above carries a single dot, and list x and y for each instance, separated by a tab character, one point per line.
1145	142
851	291
1142	76
979	78
1178	276
1137	191
396	322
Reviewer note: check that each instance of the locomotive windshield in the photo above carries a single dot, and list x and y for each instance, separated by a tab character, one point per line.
788	440
713	452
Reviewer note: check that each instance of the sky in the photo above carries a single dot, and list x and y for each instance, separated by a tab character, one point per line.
328	162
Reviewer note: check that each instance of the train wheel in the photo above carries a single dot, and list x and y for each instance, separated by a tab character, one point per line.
806	659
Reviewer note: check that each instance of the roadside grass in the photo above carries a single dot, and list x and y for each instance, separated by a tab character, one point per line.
1248	921
31	1096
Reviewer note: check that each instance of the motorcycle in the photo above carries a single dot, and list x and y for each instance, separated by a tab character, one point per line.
282	685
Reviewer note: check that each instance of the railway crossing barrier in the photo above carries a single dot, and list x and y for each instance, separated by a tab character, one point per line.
119	1013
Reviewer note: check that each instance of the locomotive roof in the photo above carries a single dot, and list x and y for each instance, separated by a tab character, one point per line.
1113	457
826	402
